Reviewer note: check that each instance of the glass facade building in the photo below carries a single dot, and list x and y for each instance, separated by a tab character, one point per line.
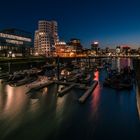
15	42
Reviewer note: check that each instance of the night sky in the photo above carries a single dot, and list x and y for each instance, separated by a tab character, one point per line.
111	22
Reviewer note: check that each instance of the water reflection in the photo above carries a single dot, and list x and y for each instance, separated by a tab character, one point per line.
95	102
126	62
15	102
120	63
45	90
138	100
106	112
60	105
60	102
96	75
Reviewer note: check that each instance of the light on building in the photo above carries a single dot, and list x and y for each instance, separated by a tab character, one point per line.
10	52
96	43
36	54
13	55
71	54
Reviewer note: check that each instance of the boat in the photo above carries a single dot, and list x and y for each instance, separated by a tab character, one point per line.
24	81
119	85
48	67
69	76
15	77
40	81
4	75
122	80
84	78
73	78
33	71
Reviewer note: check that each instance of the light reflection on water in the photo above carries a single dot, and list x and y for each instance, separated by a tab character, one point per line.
106	112
60	104
16	100
120	63
34	105
138	100
96	94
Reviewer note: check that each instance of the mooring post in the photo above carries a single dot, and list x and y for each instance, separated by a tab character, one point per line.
58	68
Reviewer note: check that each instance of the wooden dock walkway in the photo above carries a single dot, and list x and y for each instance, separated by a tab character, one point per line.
83	98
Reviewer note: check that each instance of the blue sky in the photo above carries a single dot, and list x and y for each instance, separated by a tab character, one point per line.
111	22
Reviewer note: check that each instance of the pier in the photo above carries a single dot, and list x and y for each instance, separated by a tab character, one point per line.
77	85
40	87
83	98
70	86
62	92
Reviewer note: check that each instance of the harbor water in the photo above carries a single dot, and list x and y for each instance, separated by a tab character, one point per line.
107	114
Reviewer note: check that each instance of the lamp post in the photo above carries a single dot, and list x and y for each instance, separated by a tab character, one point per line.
10	53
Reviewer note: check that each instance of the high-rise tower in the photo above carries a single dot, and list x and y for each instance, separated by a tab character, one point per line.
45	37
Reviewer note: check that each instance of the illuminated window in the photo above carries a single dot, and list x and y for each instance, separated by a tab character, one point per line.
15	37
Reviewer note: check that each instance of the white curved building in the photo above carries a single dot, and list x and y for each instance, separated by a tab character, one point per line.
45	37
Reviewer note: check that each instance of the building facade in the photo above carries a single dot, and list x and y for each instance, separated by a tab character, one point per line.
95	47
46	37
126	50
71	49
76	46
15	42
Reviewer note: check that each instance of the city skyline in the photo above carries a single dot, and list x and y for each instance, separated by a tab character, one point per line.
109	22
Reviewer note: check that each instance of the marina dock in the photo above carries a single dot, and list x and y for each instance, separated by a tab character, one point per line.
83	98
40	87
77	85
62	92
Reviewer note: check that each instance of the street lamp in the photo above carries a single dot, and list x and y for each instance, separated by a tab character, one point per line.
36	54
10	53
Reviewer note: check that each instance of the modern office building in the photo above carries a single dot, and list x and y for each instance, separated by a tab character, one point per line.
61	49
75	44
118	50
95	47
126	50
71	49
46	37
15	42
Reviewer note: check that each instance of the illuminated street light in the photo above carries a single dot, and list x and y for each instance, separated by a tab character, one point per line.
10	52
96	43
36	54
13	55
